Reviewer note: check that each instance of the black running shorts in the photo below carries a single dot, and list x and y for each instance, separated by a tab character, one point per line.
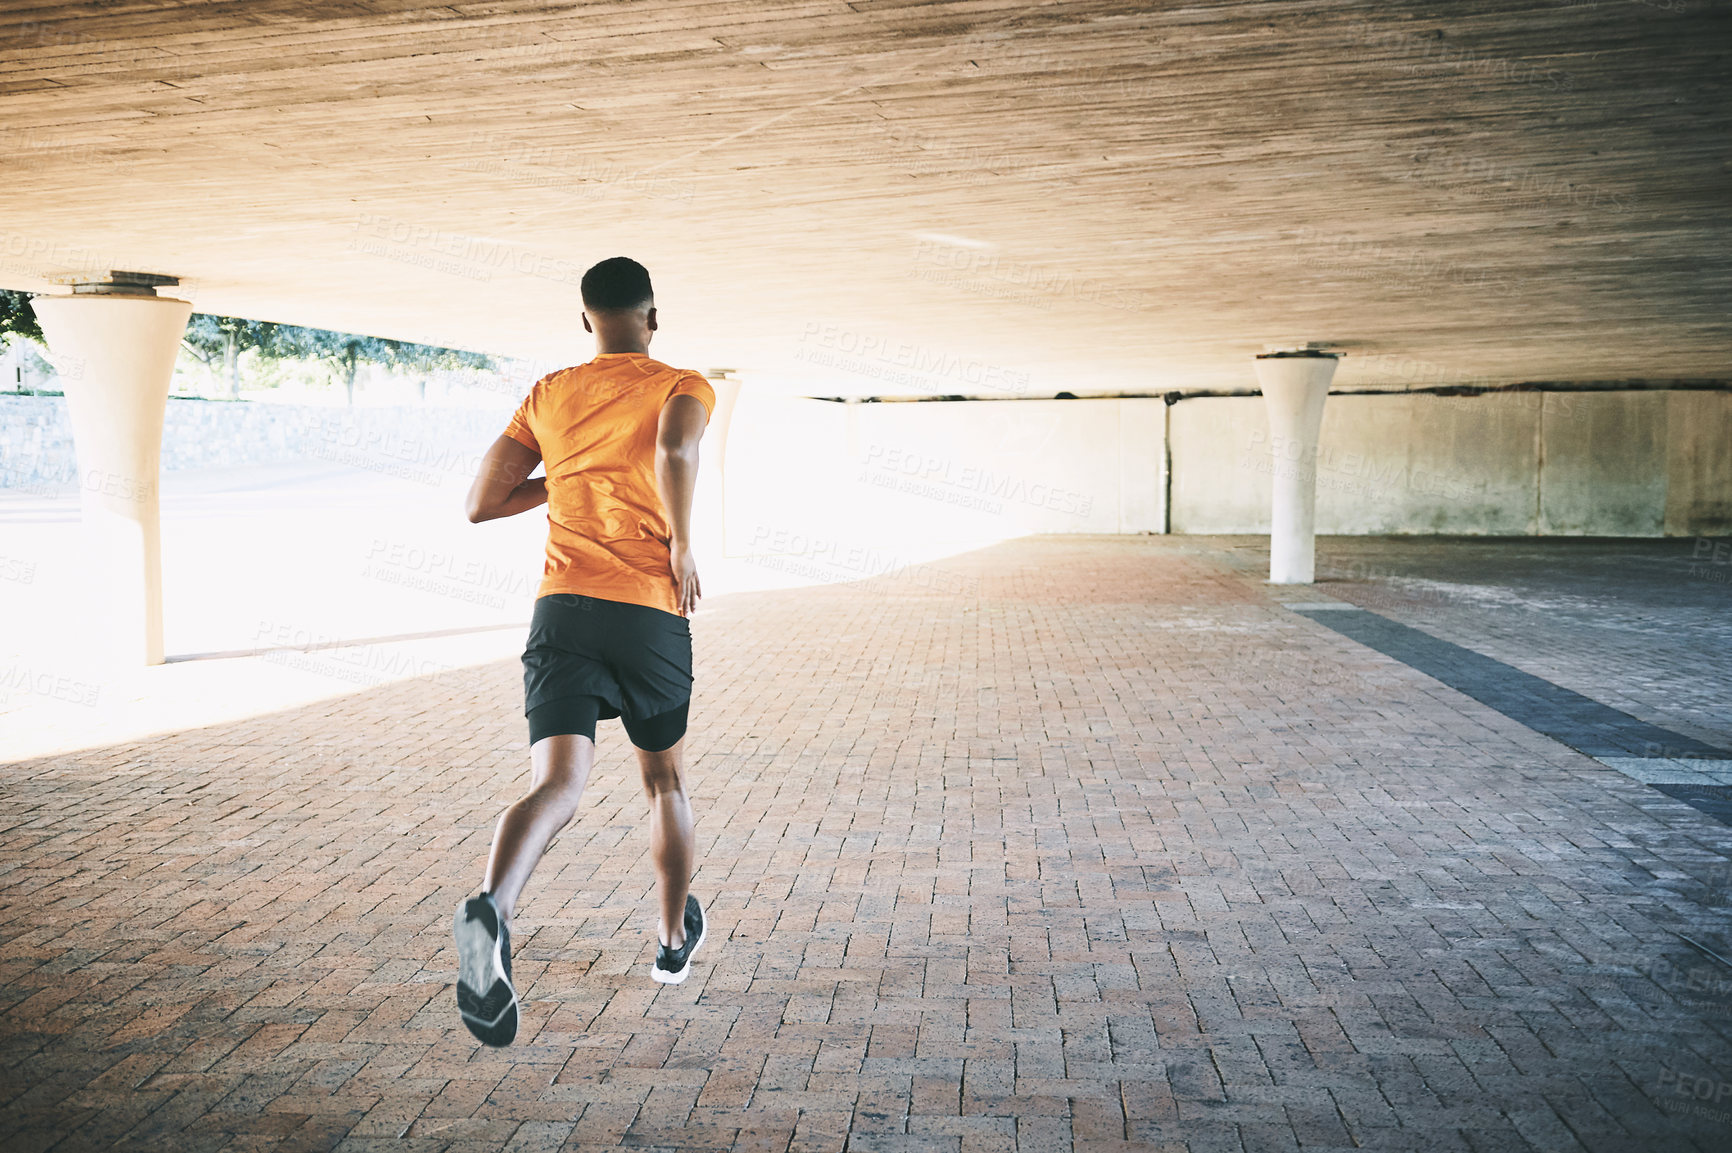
635	660
577	716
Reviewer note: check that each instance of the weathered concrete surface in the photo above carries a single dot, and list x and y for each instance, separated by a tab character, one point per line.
1099	195
1526	463
1610	464
1699	464
1604	469
1035	465
805	474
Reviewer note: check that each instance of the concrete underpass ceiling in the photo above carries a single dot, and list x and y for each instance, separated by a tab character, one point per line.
892	198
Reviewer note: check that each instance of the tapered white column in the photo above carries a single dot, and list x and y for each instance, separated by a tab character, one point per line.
1295	385
716	445
114	344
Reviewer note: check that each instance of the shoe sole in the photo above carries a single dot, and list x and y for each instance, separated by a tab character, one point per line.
490	1015
666	978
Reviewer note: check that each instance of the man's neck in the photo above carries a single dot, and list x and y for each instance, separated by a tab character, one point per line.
613	348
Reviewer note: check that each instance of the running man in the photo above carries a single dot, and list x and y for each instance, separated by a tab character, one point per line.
609	636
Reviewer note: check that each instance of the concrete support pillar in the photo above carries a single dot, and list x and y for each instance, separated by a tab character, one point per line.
1295	385
114	343
716	443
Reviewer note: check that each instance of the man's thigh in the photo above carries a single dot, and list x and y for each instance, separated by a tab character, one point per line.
660	732
562	762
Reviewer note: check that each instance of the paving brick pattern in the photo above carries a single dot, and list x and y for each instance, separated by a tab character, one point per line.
1564	715
1644	626
1110	853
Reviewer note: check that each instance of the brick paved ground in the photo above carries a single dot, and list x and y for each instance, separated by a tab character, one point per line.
1087	844
1642	625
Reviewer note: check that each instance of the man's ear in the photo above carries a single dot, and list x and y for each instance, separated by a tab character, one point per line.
586	326
651	318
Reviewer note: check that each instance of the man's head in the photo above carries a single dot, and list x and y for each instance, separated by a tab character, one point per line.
618	305
617	284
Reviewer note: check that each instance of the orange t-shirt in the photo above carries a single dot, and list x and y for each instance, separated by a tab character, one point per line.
595	428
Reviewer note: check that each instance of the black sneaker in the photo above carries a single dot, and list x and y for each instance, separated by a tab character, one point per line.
485	996
674	965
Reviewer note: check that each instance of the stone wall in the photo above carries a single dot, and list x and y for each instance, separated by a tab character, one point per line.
36	449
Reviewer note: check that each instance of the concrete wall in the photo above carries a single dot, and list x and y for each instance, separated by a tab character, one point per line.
936	476
1603	471
1534	463
1385	464
1698	464
1031	466
837	485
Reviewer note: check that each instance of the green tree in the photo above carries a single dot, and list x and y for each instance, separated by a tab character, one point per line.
223	338
217	342
19	330
214	340
17	317
347	352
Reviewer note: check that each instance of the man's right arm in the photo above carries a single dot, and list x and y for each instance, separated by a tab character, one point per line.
503	486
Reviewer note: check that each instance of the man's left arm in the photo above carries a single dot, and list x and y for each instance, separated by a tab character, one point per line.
682	426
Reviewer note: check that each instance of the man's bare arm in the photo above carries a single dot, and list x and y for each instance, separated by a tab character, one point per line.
682	426
503	486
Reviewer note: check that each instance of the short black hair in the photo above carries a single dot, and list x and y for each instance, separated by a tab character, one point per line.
617	284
